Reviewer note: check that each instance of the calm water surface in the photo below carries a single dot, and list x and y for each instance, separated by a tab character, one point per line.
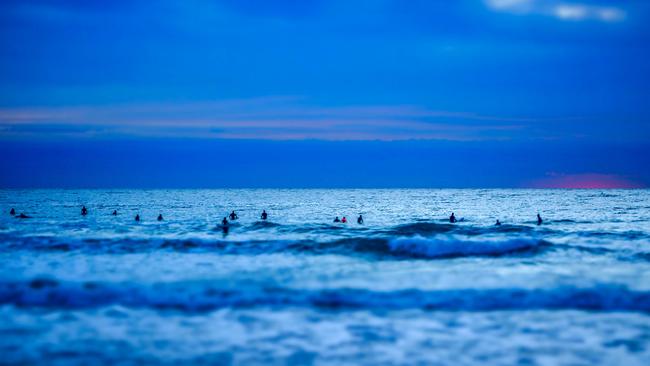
406	287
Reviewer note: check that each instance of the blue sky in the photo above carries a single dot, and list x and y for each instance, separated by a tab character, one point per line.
462	92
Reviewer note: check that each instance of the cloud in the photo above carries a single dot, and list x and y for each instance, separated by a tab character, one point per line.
582	12
568	11
509	4
272	118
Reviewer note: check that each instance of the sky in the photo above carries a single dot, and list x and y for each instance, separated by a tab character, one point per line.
314	93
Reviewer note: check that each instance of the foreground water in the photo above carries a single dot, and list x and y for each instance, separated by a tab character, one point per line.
406	287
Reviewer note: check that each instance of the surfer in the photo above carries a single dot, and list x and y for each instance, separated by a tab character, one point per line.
452	218
233	215
344	220
360	220
137	217
84	211
114	212
539	219
23	216
498	223
264	215
337	219
160	218
224	222
12	212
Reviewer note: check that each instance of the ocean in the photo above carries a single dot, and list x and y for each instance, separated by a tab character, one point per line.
405	287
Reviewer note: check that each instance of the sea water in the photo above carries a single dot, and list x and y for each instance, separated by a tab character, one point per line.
406	287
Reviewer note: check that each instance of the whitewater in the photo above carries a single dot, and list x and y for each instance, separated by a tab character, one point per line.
406	287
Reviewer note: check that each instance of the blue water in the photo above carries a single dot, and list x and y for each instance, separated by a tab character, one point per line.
406	287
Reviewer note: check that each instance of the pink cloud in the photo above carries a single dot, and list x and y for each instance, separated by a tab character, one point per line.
584	181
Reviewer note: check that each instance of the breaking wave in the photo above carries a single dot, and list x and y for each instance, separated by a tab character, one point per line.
437	248
406	247
206	296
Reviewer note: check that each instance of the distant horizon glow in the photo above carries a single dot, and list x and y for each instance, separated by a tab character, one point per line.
226	163
585	181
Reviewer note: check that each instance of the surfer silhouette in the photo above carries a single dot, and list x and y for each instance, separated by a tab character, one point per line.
264	215
452	218
224	226
233	215
160	218
337	219
12	212
360	220
84	211
137	217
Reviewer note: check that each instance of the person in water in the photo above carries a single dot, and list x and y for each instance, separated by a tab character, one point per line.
452	218
337	219
84	211
498	223
160	218
137	217
233	215
344	220
360	220
23	216
264	215
539	219
12	212
224	222
114	212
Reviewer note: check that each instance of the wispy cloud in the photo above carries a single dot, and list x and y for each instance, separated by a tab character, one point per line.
569	11
274	118
510	4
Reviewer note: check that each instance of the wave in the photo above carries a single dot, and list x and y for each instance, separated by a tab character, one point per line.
432	228
257	225
401	247
436	248
422	228
206	296
620	235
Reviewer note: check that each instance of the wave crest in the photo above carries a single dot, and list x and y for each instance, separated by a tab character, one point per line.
206	296
409	247
437	248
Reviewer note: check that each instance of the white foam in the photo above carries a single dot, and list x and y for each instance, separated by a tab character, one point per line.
432	248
